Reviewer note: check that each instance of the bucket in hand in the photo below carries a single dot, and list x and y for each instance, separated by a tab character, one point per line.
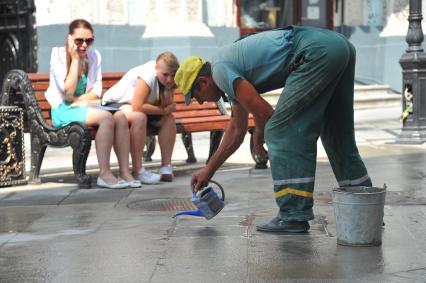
358	212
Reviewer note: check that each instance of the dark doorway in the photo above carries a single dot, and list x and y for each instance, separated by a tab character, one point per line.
18	38
260	15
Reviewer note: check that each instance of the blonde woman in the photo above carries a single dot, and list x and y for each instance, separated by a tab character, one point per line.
74	92
145	95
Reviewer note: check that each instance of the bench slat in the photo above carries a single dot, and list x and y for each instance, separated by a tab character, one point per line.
44	105
201	127
34	77
40	86
207	105
200	113
40	96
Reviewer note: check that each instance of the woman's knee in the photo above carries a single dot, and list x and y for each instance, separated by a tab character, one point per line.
107	121
120	119
99	117
139	119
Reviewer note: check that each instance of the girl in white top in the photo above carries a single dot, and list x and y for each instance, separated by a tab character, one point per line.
145	95
74	90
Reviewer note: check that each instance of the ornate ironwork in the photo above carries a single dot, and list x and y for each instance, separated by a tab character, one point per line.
42	134
12	152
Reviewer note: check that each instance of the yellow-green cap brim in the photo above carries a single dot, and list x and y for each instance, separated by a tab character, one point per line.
188	97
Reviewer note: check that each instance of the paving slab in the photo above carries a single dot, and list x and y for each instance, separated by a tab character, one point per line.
56	232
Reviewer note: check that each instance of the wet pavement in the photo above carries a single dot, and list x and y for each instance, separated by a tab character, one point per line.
55	232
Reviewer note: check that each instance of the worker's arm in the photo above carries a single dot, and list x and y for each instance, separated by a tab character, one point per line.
261	110
233	138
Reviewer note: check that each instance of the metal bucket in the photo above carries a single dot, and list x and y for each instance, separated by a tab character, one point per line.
358	212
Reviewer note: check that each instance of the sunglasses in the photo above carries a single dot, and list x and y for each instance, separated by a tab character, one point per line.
80	41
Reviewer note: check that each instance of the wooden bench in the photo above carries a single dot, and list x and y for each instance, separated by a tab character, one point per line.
27	91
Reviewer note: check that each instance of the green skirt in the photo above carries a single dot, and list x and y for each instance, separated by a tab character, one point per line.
66	114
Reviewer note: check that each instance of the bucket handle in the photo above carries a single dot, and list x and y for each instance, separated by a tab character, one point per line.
221	189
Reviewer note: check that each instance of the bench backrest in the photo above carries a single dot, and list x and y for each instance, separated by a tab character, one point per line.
188	117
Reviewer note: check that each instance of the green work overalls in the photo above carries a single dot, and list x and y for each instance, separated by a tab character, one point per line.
317	101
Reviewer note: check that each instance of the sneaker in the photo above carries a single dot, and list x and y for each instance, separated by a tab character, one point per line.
166	173
279	225
147	177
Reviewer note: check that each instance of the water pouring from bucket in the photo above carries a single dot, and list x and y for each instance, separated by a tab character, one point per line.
207	201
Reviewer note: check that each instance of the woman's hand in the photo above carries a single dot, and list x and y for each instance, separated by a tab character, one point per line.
72	48
79	103
93	102
169	108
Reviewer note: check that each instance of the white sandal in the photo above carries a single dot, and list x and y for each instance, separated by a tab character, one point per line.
134	184
121	184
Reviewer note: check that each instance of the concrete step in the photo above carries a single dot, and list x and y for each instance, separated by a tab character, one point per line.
365	97
375	96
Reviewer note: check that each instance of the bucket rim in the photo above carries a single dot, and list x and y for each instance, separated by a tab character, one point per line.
343	190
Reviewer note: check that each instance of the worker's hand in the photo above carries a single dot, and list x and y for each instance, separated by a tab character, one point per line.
200	179
258	142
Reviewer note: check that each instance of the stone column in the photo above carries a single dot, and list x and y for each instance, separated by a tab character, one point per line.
176	26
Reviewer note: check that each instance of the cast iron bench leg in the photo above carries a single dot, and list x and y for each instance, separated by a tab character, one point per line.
215	138
37	154
150	148
187	142
80	141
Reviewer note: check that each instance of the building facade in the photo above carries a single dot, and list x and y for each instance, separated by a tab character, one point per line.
132	32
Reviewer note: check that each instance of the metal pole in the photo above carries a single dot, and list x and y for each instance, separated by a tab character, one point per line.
414	36
413	64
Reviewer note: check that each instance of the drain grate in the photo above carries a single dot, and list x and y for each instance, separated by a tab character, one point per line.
162	204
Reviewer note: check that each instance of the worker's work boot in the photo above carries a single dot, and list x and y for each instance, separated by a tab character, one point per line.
279	225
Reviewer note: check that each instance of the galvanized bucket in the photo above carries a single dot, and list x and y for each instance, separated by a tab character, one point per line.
358	212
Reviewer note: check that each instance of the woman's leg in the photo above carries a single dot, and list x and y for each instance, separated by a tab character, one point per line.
138	126
122	144
166	138
103	141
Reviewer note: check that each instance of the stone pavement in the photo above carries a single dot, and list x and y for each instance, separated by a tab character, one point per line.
55	232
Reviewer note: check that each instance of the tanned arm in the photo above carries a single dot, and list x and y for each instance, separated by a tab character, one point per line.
262	111
233	138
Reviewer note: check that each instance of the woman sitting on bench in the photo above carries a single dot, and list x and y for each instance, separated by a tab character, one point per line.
145	95
74	91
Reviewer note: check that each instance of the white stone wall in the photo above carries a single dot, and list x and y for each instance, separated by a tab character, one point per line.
397	12
393	18
174	18
220	13
50	12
